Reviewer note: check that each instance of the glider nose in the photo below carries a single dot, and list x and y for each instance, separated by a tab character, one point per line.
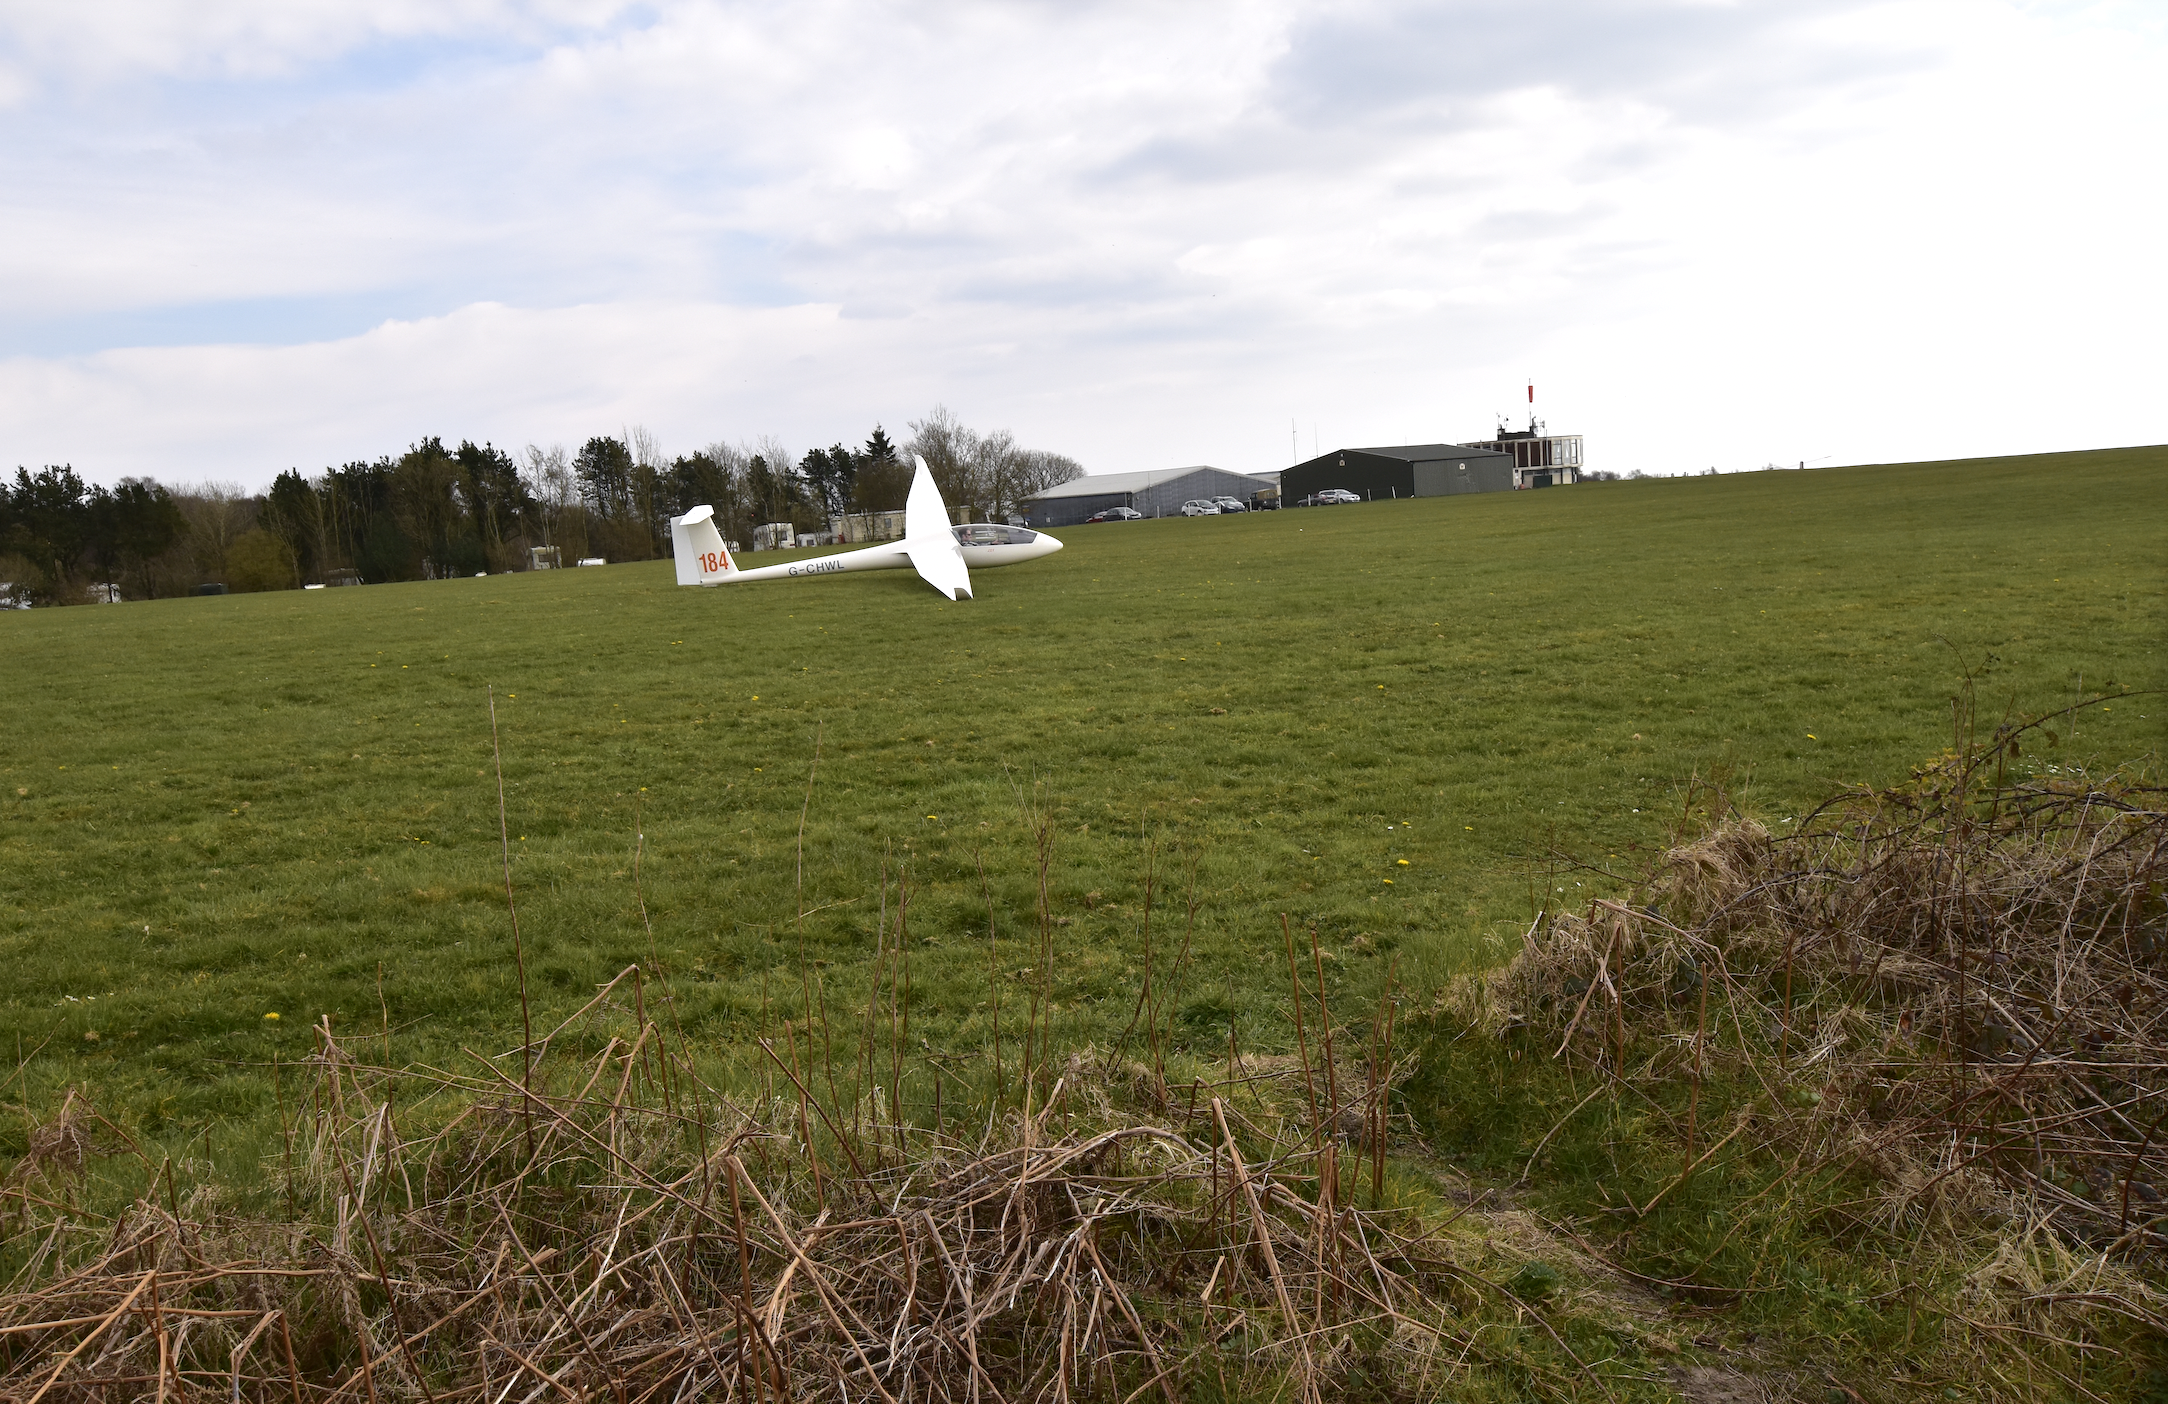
1049	544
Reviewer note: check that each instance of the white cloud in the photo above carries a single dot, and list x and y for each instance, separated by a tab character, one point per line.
485	372
1134	233
99	42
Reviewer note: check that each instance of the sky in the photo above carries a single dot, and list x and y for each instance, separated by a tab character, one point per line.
238	236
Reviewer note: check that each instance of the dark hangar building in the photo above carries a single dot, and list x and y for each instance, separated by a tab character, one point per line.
1510	462
1410	470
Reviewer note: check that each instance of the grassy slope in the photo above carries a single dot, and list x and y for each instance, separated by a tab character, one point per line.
217	808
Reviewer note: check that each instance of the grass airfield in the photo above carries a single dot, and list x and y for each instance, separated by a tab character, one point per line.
1381	719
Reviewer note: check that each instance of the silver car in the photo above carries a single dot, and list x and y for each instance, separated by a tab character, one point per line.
1231	504
1200	507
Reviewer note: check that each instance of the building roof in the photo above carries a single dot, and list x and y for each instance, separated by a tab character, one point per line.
1113	484
1418	453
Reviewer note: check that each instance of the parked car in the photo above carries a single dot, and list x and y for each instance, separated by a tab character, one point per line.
1200	507
1231	504
1115	514
1330	497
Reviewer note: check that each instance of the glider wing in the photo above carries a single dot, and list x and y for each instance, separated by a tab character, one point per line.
930	542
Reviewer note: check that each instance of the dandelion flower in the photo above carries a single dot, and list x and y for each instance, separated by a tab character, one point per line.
272	1017
1403	862
1388	882
1812	737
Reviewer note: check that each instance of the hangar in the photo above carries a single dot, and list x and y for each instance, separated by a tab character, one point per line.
1409	470
1155	493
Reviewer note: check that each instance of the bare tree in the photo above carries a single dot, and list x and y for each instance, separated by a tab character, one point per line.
556	490
217	514
1041	470
648	470
772	481
993	471
990	473
549	481
951	454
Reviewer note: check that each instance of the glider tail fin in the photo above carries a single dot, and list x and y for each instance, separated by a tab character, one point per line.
702	556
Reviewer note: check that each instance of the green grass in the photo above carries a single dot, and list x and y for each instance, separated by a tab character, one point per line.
1788	1271
218	808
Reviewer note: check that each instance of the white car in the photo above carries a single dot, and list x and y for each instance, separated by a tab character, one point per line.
1333	497
1200	507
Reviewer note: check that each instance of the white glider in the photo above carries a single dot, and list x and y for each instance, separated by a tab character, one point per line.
940	553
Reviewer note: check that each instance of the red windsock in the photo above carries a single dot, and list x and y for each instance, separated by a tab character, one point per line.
1531	394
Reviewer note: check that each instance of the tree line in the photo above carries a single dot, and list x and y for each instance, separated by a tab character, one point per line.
435	511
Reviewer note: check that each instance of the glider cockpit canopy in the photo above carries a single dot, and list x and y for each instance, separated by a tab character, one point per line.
991	534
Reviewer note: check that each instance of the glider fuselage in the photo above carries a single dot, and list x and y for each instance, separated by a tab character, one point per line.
890	555
943	555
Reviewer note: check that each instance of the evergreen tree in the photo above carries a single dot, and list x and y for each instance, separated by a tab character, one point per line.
764	486
880	483
497	500
604	472
365	537
48	523
294	514
829	474
425	500
134	524
696	480
620	496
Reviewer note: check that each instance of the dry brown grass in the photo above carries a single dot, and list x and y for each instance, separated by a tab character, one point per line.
1944	1003
625	1231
